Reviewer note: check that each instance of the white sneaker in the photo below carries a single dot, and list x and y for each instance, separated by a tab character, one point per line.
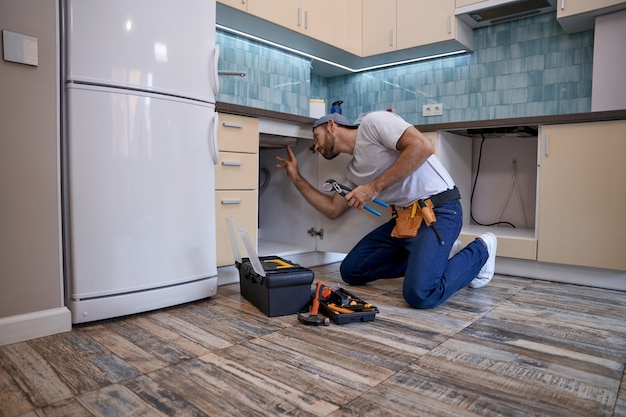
456	248
486	272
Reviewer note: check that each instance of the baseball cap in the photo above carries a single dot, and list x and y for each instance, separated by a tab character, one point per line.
335	117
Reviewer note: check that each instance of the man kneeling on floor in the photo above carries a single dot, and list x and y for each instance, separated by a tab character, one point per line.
394	162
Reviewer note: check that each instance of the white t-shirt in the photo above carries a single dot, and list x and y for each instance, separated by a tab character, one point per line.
375	150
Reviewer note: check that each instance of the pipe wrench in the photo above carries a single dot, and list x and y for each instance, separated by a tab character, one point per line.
342	190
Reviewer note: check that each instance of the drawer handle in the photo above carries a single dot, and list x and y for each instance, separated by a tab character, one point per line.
231	164
235	125
231	201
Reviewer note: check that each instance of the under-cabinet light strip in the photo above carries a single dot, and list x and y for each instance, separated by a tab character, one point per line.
335	64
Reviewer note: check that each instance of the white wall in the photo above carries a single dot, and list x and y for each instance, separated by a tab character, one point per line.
31	287
609	63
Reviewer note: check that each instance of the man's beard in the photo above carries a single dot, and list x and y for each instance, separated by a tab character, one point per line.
328	150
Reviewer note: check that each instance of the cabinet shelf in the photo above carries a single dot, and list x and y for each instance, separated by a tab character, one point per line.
517	243
270	247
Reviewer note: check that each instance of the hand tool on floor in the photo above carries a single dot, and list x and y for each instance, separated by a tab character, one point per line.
342	190
339	301
313	319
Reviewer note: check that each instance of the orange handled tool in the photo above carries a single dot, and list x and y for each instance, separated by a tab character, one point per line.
313	319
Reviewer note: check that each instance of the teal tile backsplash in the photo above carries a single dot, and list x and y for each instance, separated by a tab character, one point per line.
526	67
275	80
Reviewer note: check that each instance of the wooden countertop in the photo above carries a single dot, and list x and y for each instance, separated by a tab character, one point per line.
515	121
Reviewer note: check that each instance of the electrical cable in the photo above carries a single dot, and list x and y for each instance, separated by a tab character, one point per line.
480	155
266	179
508	197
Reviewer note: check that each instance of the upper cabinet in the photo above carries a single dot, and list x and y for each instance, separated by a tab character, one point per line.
236	4
379	27
335	23
402	24
437	23
286	13
462	3
579	15
351	34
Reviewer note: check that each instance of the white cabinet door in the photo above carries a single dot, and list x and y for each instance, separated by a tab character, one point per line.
573	7
286	13
437	22
582	195
580	15
340	28
379	27
236	4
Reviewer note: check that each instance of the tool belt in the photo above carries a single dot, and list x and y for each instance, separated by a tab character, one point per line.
409	219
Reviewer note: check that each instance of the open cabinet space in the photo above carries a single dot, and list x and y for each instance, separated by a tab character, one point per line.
496	172
288	225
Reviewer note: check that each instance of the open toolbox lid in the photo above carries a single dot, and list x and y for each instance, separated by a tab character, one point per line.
253	257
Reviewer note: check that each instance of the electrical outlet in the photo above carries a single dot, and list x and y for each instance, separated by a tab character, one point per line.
432	109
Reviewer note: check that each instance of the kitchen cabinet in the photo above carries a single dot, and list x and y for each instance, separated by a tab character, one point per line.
286	13
404	24
291	227
379	27
581	194
355	34
567	204
437	23
332	22
463	3
236	181
579	15
235	4
501	173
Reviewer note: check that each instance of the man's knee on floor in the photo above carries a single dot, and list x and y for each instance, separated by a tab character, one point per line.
348	276
421	301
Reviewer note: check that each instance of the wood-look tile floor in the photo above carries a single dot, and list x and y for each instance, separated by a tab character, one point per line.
517	347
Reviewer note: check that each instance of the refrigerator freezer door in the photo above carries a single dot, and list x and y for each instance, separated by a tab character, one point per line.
164	46
141	191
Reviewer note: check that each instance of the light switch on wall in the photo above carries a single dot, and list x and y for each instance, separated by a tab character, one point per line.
19	48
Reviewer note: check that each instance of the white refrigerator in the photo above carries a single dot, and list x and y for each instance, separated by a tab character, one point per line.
139	149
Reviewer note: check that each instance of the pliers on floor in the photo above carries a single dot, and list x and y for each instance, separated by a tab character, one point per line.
342	190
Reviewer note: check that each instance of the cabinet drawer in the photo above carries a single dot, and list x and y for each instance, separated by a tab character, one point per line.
238	133
237	171
241	206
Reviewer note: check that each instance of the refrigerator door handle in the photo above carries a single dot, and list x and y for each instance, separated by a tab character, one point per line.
213	140
215	80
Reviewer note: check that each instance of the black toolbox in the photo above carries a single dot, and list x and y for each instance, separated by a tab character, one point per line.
354	316
285	288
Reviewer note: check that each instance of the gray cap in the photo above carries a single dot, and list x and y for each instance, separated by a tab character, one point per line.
335	117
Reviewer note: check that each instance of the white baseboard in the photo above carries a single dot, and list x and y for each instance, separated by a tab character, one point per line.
592	277
28	326
227	275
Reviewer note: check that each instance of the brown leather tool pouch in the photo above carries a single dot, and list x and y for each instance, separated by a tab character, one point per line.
408	221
